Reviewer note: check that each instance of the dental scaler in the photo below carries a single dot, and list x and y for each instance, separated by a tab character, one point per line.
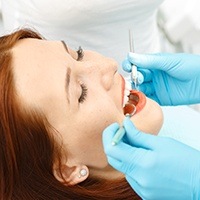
134	76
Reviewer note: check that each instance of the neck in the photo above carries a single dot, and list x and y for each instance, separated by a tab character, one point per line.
107	173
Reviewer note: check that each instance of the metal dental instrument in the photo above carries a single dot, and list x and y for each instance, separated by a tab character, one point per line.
134	76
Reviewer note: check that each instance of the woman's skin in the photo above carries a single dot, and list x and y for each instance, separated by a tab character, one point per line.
50	79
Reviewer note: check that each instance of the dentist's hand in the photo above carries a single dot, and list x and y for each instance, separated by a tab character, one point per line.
155	167
170	79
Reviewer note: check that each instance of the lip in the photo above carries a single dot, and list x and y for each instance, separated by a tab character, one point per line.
138	99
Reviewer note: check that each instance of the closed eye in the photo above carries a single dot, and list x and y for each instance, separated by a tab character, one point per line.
83	95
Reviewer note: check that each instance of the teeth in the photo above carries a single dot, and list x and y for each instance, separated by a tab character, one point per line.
125	100
127	84
126	92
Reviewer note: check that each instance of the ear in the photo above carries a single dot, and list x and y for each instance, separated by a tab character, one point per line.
71	175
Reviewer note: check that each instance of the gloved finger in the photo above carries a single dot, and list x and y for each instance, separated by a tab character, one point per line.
119	150
147	88
109	132
137	138
126	158
122	152
140	78
151	61
114	163
110	149
146	73
126	65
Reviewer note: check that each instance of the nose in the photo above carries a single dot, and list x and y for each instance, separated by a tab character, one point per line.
102	71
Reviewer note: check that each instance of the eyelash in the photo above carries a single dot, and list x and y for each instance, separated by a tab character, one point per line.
80	53
83	96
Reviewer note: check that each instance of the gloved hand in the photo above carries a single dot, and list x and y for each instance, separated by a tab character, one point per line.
155	167
169	79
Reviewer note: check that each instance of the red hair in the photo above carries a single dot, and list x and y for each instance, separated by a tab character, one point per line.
28	150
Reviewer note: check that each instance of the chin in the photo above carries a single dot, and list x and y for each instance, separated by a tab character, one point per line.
150	118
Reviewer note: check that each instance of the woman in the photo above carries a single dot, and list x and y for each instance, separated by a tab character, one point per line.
102	26
55	103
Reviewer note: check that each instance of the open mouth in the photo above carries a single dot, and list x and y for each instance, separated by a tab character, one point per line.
133	101
136	102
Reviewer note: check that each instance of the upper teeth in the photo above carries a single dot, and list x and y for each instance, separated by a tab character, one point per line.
126	91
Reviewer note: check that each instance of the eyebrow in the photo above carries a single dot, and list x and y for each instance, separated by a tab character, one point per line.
68	73
67	82
65	46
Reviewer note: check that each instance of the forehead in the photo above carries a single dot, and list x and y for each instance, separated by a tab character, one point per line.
37	66
33	57
35	48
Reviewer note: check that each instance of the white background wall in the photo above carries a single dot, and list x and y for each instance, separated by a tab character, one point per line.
181	23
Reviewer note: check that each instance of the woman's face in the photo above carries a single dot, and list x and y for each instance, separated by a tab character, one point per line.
80	98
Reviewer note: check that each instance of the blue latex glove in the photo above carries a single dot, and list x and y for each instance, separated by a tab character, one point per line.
169	79
155	167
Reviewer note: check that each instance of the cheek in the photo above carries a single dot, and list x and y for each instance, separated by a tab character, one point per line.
91	123
102	112
86	144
